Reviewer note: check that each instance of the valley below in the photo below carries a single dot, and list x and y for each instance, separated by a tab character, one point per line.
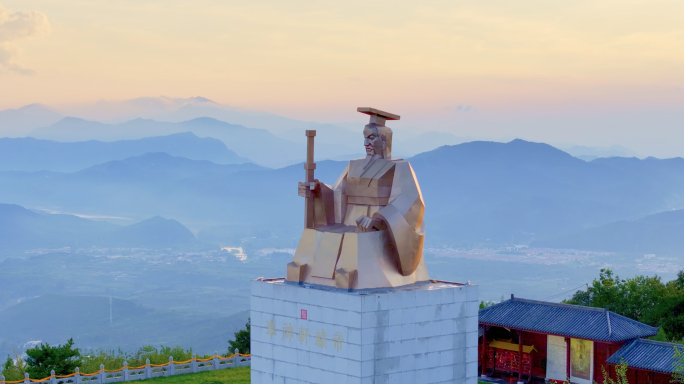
199	298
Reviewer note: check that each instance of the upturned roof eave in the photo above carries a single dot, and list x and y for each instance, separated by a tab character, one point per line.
614	341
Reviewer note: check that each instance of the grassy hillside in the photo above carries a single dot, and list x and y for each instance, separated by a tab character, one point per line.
238	375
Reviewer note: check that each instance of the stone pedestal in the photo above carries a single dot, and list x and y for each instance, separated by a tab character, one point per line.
423	333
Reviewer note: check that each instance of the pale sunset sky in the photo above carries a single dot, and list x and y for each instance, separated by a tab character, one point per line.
597	72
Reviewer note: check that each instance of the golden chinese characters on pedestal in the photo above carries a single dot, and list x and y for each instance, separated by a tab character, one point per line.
367	230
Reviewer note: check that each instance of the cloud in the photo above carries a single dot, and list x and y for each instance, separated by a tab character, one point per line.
461	108
15	27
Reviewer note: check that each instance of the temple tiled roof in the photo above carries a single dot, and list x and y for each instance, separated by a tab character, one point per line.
564	320
647	354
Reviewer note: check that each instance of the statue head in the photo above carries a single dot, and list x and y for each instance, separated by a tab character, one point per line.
377	140
377	137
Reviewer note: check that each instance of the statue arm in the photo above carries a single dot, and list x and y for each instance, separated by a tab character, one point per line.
403	217
330	202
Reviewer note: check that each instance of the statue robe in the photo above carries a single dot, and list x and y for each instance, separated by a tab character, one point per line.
334	250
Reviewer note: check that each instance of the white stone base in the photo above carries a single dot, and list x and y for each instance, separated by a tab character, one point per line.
417	334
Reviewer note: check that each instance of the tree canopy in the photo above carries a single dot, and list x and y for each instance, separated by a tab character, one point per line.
42	359
241	341
642	298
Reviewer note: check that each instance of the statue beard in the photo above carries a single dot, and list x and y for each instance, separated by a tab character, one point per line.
378	153
370	159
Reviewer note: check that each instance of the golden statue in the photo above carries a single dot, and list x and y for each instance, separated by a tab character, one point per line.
367	230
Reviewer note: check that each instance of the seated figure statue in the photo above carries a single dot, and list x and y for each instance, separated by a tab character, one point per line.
368	228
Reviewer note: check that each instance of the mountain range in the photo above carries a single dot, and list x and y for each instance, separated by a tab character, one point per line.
475	193
258	145
591	153
336	140
519	191
659	233
21	228
22	121
30	154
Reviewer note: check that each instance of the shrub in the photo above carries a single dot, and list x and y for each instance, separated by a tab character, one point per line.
242	340
14	370
63	359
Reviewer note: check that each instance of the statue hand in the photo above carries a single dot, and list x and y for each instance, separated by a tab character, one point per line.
305	189
368	224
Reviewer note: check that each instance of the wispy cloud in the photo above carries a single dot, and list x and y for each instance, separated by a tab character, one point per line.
15	27
461	108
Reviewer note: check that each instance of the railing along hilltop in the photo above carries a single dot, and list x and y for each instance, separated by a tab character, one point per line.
146	371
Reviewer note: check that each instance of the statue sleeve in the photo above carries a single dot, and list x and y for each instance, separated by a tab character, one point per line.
404	218
330	204
340	198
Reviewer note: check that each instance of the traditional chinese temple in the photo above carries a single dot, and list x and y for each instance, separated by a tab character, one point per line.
532	340
649	361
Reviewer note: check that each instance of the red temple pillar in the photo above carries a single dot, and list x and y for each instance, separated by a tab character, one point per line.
520	356
484	350
567	358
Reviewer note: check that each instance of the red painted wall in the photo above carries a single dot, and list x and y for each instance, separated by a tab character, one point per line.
538	357
602	351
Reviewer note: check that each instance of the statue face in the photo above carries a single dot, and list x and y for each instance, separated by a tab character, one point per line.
374	143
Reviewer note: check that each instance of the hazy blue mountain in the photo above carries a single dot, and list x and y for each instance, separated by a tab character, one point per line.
20	122
258	145
175	110
648	166
156	232
30	154
188	190
351	138
660	233
152	116
151	166
120	111
21	228
587	157
612	151
86	319
475	192
283	127
516	191
426	141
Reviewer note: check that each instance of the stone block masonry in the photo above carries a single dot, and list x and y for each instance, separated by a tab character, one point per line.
305	334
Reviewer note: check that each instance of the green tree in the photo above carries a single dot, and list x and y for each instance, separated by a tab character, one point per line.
111	360
671	312
620	372
42	359
242	340
14	370
642	298
678	375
